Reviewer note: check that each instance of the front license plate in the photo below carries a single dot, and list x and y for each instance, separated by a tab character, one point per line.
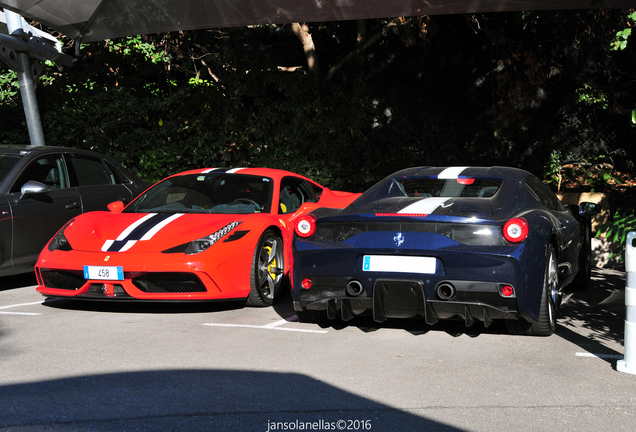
399	264
104	272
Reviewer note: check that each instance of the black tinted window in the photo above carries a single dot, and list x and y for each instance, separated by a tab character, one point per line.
49	170
543	194
91	171
7	162
456	187
430	187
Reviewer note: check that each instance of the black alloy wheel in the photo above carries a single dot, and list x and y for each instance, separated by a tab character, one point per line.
268	269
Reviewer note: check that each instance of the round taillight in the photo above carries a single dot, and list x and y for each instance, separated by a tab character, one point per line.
307	283
516	230
305	226
506	291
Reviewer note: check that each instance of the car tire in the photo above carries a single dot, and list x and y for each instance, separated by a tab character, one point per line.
312	316
583	278
546	325
268	269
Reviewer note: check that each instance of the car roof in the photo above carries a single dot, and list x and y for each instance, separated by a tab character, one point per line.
268	172
24	149
465	171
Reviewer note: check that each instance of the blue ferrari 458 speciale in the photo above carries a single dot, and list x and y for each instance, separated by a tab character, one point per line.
470	243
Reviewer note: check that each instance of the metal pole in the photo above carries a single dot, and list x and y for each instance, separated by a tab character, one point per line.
628	364
27	85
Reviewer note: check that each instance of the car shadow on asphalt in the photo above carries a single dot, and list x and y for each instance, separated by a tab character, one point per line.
144	307
199	399
595	318
17	281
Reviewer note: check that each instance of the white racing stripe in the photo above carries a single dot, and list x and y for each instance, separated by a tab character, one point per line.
451	173
128	245
124	242
130	229
230	171
424	206
107	245
159	226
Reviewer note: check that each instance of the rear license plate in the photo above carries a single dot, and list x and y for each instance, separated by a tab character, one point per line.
399	264
104	272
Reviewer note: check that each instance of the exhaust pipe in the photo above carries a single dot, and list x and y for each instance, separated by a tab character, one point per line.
445	291
354	288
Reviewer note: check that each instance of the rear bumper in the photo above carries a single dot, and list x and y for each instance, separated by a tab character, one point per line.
403	298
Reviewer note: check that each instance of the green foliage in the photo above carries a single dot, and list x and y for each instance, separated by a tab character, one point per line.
9	87
552	169
620	41
518	89
616	231
590	96
137	45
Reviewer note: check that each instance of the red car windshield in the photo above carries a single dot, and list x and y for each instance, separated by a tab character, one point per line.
207	193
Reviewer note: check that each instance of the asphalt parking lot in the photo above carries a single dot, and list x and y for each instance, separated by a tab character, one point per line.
86	366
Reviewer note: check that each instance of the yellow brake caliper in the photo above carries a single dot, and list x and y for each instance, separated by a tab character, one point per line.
272	264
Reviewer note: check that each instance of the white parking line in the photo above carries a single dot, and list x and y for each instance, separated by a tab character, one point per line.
22	304
602	356
271	326
19	313
25	304
276	324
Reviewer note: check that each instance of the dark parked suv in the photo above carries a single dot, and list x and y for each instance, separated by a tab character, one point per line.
41	188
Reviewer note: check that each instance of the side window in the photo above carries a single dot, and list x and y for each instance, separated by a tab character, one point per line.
544	194
317	191
293	193
119	177
91	171
49	170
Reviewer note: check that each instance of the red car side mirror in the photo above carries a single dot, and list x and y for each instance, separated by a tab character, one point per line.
116	207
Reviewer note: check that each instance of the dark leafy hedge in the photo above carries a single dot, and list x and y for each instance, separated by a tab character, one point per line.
519	89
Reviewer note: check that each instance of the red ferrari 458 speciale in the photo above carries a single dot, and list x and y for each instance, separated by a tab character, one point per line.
206	234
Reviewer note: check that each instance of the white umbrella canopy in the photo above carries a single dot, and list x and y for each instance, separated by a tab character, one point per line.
94	20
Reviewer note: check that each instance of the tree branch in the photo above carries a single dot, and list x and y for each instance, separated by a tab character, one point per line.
358	50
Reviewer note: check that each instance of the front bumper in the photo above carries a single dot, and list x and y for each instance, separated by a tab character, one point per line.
146	277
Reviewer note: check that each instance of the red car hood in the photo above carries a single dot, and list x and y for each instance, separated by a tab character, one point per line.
142	232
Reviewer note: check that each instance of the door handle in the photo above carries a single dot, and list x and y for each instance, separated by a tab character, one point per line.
72	206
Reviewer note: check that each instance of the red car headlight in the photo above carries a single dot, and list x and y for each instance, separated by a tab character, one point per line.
199	245
59	241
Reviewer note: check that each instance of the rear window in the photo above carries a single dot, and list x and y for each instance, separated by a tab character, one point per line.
430	187
461	187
